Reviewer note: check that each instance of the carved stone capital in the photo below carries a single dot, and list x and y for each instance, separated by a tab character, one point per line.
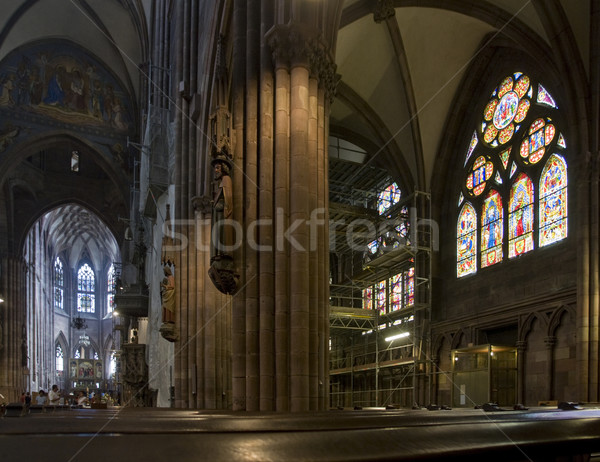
383	10
521	345
300	45
550	341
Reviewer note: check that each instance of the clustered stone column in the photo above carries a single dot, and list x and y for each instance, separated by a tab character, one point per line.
13	339
202	372
282	81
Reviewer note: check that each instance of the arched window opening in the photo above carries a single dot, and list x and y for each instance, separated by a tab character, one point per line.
110	290
520	217
466	242
517	136
553	201
59	285
86	288
491	229
387	198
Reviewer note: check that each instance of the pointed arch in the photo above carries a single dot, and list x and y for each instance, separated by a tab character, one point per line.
556	318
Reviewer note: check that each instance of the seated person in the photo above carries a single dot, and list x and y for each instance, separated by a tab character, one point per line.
41	398
82	399
54	396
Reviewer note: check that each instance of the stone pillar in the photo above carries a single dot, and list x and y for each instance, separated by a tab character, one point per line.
521	349
550	343
13	341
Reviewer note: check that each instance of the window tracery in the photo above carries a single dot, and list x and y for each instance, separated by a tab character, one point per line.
516	150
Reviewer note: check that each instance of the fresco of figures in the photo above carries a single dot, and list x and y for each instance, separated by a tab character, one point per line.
61	82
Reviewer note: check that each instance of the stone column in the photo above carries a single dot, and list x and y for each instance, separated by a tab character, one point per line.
550	343
13	341
521	349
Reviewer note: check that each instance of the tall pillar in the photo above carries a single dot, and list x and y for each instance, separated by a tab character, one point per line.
550	343
521	349
13	341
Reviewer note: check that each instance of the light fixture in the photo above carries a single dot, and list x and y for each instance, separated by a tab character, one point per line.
1	298
128	234
397	336
79	323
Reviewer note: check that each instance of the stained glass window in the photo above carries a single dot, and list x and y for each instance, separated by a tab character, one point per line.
396	292
492	231
59	358
86	288
112	365
516	136
472	145
388	197
508	104
367	299
466	243
110	290
409	287
58	285
553	201
533	147
381	296
520	217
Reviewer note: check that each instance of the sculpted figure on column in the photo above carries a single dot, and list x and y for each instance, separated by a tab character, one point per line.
222	239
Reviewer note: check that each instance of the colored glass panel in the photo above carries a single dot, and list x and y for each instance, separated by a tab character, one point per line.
544	97
505	86
461	198
368	299
409	287
373	246
536	125
522	86
533	147
488	113
396	292
520	218
522	110
553	201
466	244
58	284
380	294
504	156
492	230
506	134
490	133
110	289
388	197
513	169
506	110
561	141
85	289
472	144
498	178
482	170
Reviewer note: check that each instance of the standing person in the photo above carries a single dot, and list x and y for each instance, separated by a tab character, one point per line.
27	399
54	396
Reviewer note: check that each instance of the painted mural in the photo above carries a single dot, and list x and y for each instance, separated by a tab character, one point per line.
61	82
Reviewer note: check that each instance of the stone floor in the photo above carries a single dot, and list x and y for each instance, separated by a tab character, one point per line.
172	435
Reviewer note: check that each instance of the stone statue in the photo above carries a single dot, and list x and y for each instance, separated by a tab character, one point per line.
168	295
221	260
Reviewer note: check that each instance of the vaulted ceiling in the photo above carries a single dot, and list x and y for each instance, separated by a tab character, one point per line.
401	68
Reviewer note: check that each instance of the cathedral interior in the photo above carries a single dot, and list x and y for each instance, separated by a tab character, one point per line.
271	230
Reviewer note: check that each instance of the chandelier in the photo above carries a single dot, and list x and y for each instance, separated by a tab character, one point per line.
78	323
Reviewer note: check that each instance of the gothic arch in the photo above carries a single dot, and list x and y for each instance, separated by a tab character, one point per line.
556	318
